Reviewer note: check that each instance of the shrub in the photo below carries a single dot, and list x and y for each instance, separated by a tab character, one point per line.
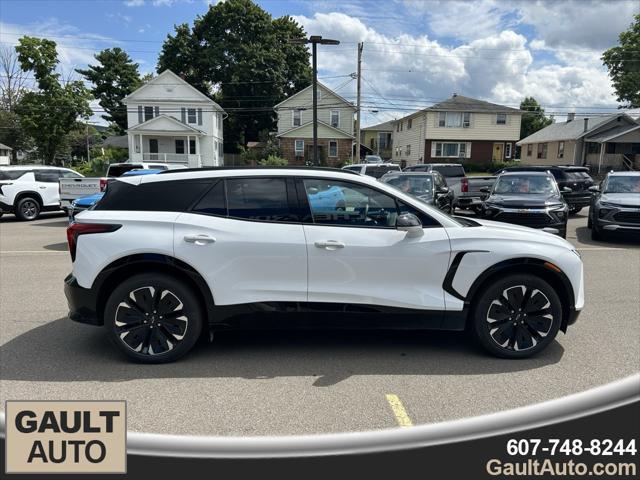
273	160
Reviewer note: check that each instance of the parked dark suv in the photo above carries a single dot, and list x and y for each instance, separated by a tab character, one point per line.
575	178
615	207
531	199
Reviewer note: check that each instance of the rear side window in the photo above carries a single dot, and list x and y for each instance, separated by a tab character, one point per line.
170	196
11	174
263	199
47	176
214	202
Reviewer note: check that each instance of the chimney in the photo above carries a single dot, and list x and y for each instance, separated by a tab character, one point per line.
570	116
586	124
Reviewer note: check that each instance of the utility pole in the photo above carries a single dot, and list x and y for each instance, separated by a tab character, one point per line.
359	75
87	135
314	40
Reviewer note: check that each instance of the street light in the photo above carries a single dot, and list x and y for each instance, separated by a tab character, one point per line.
314	40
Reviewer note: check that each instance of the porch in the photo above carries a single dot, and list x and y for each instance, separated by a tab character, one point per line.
165	148
615	149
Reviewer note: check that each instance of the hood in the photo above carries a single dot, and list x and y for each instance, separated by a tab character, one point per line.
512	200
506	230
626	199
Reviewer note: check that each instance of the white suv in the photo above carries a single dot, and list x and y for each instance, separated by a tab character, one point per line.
163	257
27	190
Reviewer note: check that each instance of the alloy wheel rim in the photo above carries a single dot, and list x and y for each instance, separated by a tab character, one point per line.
29	209
520	318
151	320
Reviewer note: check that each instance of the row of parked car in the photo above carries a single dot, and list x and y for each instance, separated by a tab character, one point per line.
534	196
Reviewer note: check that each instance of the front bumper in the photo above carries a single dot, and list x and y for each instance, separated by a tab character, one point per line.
5	207
468	202
573	316
618	219
540	218
578	200
82	302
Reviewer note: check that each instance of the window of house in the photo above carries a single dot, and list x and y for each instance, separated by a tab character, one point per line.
409	123
462	149
501	119
466	120
384	140
542	150
148	113
397	126
192	116
192	147
299	148
401	125
335	118
529	149
296	118
408	150
593	147
180	146
333	148
560	149
449	149
451	119
507	150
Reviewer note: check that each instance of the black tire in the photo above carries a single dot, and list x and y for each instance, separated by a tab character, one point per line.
596	233
27	209
589	223
502	329
137	317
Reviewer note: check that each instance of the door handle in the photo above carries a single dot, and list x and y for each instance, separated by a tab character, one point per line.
199	239
330	244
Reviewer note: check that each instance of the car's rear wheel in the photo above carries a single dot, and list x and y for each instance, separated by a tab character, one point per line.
517	316
153	318
27	209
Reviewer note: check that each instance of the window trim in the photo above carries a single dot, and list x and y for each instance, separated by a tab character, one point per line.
498	115
561	150
329	149
529	149
331	118
293	117
144	113
442	143
508	149
295	147
195	116
308	214
543	148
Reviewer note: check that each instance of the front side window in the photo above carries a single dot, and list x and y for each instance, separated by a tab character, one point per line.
335	118
191	115
299	147
296	118
333	148
47	176
501	118
263	199
349	204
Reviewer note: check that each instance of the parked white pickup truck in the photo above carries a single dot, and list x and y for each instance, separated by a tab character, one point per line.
73	188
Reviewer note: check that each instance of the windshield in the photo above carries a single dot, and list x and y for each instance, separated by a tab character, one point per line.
417	185
449	170
525	184
630	184
372	159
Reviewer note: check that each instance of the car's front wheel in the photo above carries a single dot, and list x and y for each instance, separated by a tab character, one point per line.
517	316
153	318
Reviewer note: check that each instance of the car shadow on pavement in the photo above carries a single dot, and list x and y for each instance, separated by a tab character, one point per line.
613	240
63	351
57	247
9	218
60	223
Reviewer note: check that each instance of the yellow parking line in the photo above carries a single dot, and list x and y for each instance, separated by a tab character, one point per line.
398	411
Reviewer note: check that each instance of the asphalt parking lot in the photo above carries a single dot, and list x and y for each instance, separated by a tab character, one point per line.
304	382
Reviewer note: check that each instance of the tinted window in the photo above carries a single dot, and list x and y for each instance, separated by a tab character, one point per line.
214	201
170	196
450	170
47	176
258	199
379	171
349	204
11	174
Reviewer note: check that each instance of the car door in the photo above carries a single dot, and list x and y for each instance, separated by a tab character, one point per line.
245	239
47	186
357	256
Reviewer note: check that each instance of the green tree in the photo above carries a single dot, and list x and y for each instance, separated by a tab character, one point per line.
623	63
51	112
533	119
115	77
239	55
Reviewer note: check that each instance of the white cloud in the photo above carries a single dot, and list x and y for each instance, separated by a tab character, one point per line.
134	3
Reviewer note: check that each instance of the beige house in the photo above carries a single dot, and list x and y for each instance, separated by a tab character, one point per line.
602	142
378	139
460	129
335	127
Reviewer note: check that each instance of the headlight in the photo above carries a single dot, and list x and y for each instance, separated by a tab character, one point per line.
604	212
609	205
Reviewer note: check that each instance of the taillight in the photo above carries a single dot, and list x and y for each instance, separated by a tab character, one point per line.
103	184
464	184
76	229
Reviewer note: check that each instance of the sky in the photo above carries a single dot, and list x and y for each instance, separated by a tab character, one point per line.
416	52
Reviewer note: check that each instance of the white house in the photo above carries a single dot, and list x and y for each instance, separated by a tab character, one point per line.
171	121
5	154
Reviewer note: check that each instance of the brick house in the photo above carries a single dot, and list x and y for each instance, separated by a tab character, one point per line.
335	127
460	129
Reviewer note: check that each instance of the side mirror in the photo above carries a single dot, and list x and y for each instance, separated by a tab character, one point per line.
442	190
485	189
408	222
594	188
566	190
